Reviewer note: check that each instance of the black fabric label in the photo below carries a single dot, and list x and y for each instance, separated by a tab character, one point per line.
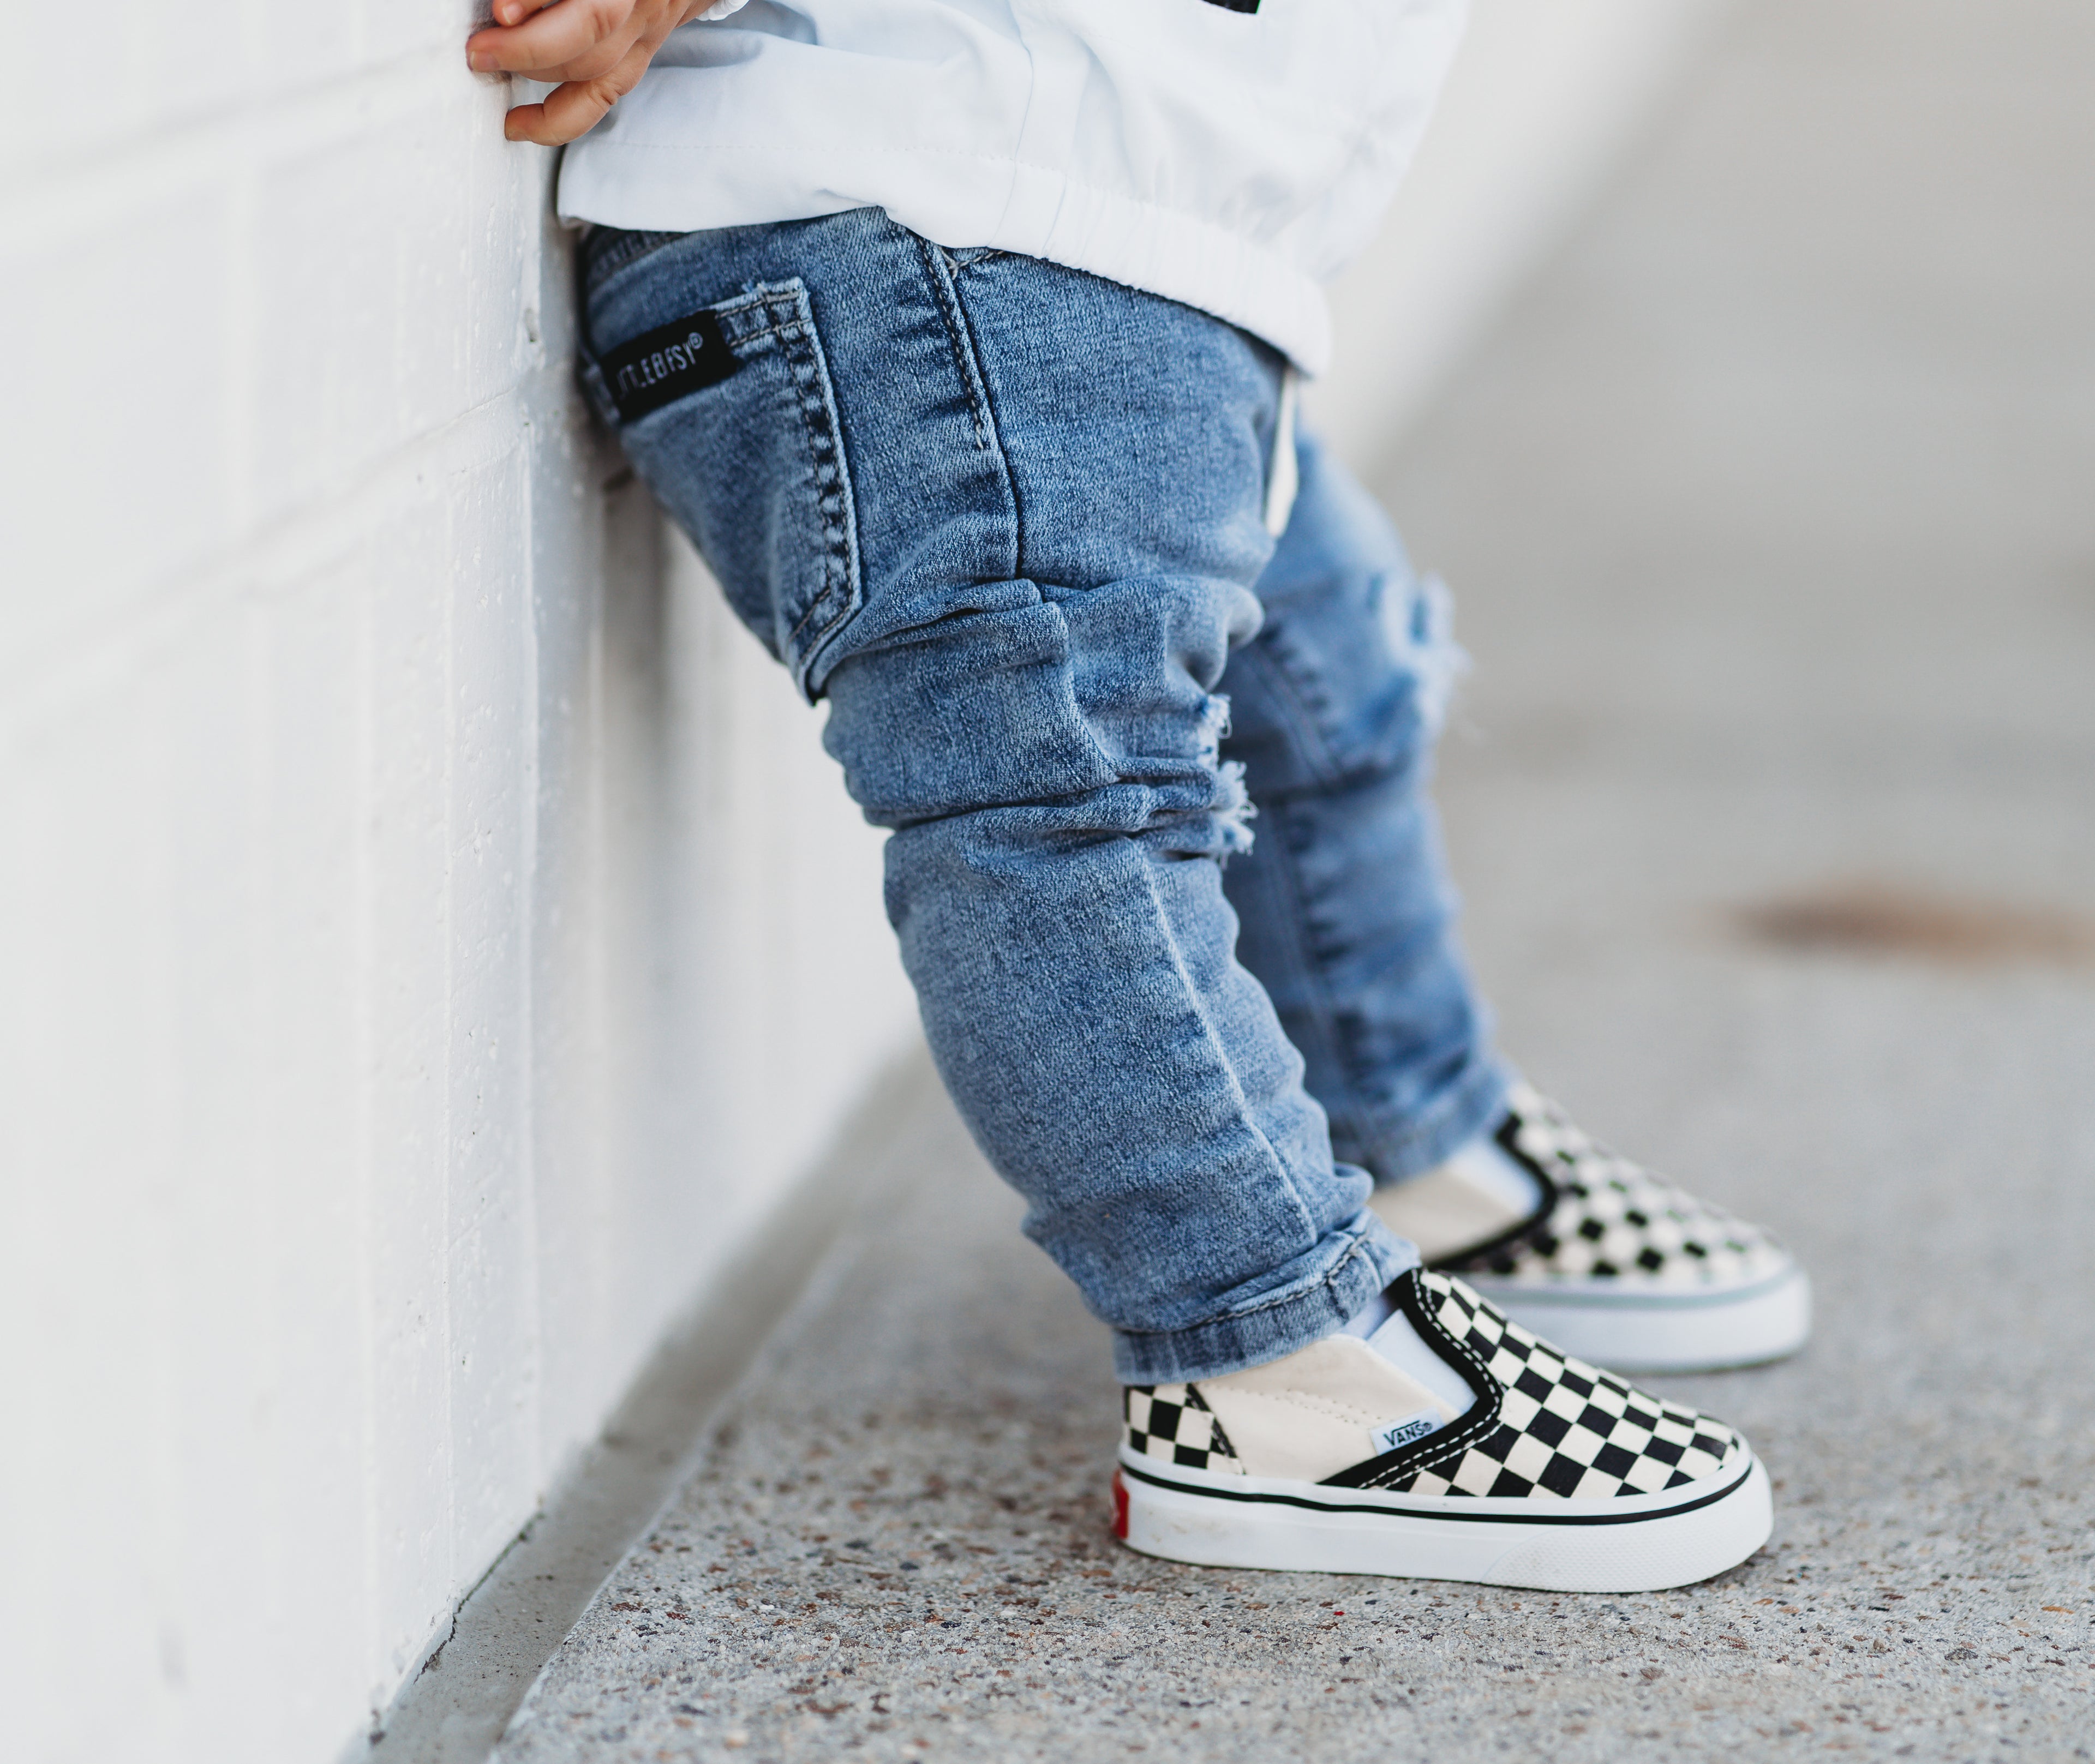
659	367
1236	6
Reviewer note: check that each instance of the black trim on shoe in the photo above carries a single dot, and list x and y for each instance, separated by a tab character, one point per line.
1506	1136
1452	1513
1475	1425
1220	1445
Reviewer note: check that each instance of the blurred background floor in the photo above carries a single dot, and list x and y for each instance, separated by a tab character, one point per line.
1770	511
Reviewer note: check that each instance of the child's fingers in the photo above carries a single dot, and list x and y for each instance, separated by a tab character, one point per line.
572	110
570	35
516	11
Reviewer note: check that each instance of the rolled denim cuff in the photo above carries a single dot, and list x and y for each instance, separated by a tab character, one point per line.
1428	1138
1357	1261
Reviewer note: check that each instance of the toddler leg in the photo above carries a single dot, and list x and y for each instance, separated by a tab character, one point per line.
1348	918
1006	517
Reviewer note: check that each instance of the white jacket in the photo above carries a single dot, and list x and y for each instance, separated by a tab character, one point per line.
1231	160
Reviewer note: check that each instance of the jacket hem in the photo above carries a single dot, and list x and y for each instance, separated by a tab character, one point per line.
996	203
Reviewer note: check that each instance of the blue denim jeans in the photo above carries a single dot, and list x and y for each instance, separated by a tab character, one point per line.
1006	518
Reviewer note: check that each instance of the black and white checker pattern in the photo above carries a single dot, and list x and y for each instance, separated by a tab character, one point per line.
1170	1423
1564	1429
1615	1220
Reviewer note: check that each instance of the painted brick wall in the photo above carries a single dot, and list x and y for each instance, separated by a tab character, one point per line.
430	935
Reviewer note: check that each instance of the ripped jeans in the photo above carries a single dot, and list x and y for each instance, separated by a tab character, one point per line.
1011	521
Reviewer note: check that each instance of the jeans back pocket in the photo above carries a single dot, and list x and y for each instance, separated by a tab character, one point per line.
729	414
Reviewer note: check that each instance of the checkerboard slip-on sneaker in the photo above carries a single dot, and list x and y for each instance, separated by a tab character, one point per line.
1607	1260
1335	1461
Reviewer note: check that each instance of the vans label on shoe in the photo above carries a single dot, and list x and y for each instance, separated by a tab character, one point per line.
1404	1432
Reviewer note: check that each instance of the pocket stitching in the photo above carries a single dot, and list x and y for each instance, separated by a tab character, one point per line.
785	319
792	323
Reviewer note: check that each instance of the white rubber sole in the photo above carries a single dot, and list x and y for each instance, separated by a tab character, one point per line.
1634	1543
1625	1330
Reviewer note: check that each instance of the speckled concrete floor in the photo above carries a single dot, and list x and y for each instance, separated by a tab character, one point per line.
898	1548
1769	512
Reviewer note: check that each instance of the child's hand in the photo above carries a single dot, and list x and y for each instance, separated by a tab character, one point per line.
597	50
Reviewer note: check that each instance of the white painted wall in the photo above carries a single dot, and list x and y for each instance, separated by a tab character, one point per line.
430	937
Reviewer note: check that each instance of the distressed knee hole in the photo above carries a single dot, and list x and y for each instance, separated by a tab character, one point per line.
1420	629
